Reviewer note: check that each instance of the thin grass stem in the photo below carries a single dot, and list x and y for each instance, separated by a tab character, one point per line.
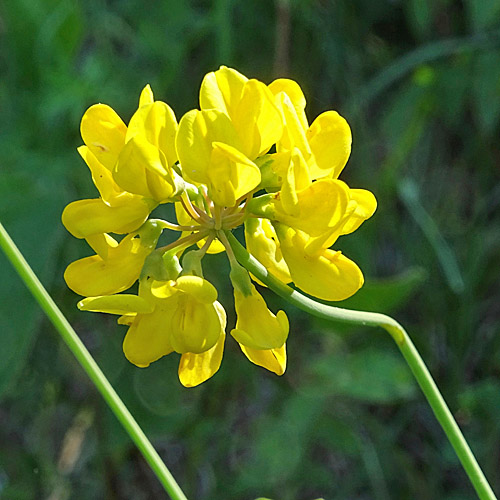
88	363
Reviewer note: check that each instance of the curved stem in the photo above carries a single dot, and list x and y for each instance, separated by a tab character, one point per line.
89	365
403	341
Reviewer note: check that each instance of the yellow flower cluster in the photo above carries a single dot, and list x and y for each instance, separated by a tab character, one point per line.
247	157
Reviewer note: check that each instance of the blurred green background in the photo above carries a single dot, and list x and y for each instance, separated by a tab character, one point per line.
419	83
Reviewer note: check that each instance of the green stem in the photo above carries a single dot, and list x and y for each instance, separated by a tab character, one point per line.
89	365
403	341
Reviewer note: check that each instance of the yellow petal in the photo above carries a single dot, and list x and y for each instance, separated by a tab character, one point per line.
141	169
162	289
295	94
231	175
146	96
183	218
320	207
257	327
328	275
361	206
256	119
84	218
157	124
273	360
126	319
199	288
101	176
101	243
93	276
194	369
365	206
297	178
262	242
198	130
122	304
195	326
317	244
222	90
330	141
215	247
294	132
103	131
148	339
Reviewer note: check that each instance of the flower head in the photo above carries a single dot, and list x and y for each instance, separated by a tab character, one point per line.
247	157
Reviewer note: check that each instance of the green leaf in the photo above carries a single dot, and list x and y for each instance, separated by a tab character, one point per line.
168	398
281	442
482	400
386	295
452	88
30	212
409	193
486	89
420	16
370	375
483	14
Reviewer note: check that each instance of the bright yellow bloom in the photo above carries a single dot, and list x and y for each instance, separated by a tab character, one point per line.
325	145
217	146
103	131
325	274
116	211
257	327
273	360
181	316
115	267
247	157
194	322
144	164
210	153
250	106
262	242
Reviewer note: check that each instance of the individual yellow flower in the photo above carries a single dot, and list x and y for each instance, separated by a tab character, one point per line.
247	157
144	163
210	153
262	242
250	106
257	327
325	145
103	132
218	145
194	323
115	267
116	211
324	273
140	157
180	315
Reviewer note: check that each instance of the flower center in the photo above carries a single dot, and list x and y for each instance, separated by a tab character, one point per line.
213	217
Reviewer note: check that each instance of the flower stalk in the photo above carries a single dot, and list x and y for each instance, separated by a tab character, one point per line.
88	363
406	346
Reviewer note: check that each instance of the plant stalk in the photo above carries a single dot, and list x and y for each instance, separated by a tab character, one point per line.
89	365
403	341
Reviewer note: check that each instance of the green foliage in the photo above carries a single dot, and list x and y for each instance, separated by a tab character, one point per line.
370	375
386	295
418	82
25	216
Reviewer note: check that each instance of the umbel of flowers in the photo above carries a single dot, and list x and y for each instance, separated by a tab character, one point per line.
248	157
